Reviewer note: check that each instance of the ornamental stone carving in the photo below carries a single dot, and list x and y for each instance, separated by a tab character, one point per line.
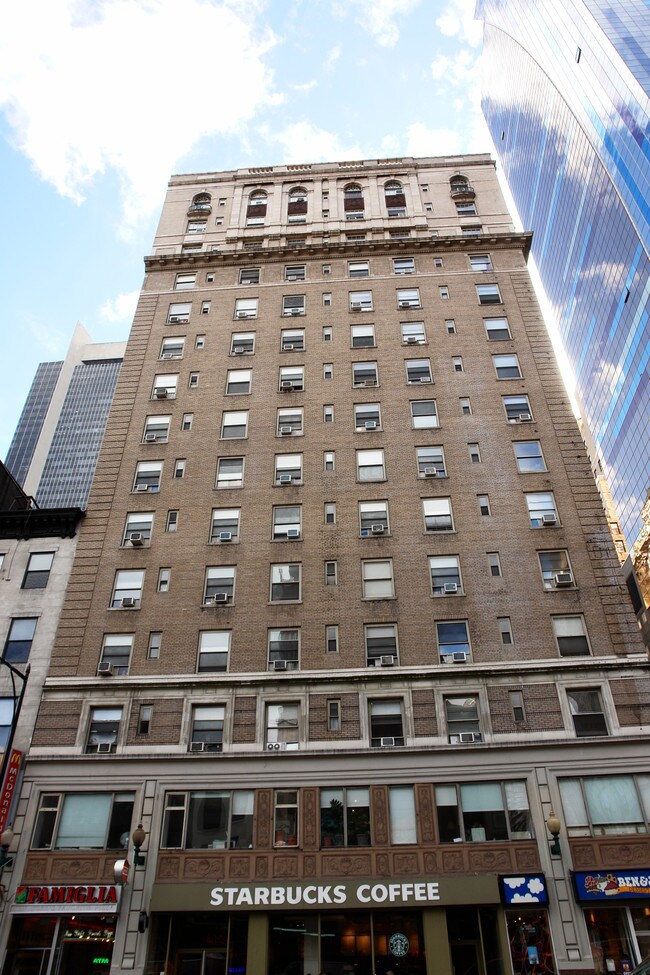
346	866
406	863
203	868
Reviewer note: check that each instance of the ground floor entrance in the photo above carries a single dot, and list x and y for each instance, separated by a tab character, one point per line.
49	944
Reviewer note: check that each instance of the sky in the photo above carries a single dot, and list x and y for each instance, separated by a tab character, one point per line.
102	100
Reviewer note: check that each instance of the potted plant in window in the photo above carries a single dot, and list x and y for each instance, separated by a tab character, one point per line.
332	824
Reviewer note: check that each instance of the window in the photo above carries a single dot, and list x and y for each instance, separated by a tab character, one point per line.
408	298
328	370
285	582
603	805
494	563
362	336
184	282
332	639
225	525
358	269
364	374
327	299
208	820
145	715
333	716
164	387
234	425
505	631
238	381
199	342
424	415
516	700
283	649
344	813
373	518
330	512
377	579
497	329
116	653
206	734
463	726
292	340
282	727
288	469
403	265
353	202
587	712
517	409
331	573
457	363
180	466
186	423
172	348
381	644
418	371
230	472
285	818
287	522
19	640
529	457
127	589
249	275
466	209
484	505
193	380
465	405
171	524
360	300
153	647
370	465
443	292
103	730
367	417
480	262
242	343
431	462
355	238
328	413
437	515
219	584
295	272
483	811
386	724
556	569
329	460
542	511
164	579
293	305
474	453
413	333
138	528
83	821
327	333
196	226
246	308
38	570
292	379
506	366
297	207
290	422
256	209
214	647
571	636
327	268
401	805
445	575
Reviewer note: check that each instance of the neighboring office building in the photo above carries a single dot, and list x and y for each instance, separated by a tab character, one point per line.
346	624
57	441
566	98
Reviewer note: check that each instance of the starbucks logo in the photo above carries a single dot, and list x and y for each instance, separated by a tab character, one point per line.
399	945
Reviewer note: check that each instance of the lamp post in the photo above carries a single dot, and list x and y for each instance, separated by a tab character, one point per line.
554	827
138	837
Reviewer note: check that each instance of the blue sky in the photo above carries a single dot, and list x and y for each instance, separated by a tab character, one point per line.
102	100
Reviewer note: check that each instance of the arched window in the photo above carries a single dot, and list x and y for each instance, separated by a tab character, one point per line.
393	188
353	202
395	199
201	203
461	187
297	208
256	209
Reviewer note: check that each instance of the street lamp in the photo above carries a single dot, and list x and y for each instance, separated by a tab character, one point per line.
554	826
5	842
139	836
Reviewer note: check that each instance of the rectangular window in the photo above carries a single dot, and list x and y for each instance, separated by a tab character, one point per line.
238	381
292	339
571	636
330	512
480	262
401	804
408	298
285	582
282	727
465	406
328	413
373	518
477	812
474	453
377	579
370	465
214	647
180	467
367	417
155	642
219	585
418	371
333	716
381	645
358	269
328	370
386	724
290	422
413	333
224	526
103	730
450	325
137	530
606	805
516	700
360	300
19	640
327	333
488	294
466	209
184	282
529	457
505	631
457	363
506	366
484	505
283	647
186	423
364	374
83	821
230	472
494	563
38	570
285	818
288	469
196	226
172	348
287	522
295	272
437	515
586	710
497	329
431	462
331	573
249	275
291	379
242	343
443	292
193	380
179	313
164	579
344	813
403	265
463	726
164	387
445	575
208	820
116	654
246	307
517	409
453	642
329	460
327	299
293	305
206	734
332	639
234	424
556	569
127	589
362	336
542	510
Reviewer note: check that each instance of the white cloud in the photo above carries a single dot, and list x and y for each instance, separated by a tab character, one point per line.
535	886
305	86
121	308
379	17
304	142
457	20
333	57
524	898
421	141
51	343
514	882
129	86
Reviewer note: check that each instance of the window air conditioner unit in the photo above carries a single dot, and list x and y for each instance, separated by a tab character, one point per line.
378	529
168	355
369	382
197	746
279	665
563	579
285	479
178	319
160	392
410	340
425	379
430	472
459	657
286	386
288	347
293	533
404	304
238	350
285	431
355	306
136	539
129	602
370	424
245	314
525	417
225	536
387	660
150	438
549	520
387	742
293	277
105	668
296	311
220	597
142	487
105	746
450	588
467	737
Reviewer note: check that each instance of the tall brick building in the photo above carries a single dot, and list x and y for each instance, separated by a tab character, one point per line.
346	627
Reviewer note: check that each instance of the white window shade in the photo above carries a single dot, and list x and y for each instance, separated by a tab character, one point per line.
83	822
575	812
612	799
402	815
481	797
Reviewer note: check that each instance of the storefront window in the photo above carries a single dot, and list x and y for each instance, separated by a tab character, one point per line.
79	943
531	952
609	940
193	943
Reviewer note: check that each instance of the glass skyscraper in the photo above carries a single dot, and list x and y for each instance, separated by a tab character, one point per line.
566	86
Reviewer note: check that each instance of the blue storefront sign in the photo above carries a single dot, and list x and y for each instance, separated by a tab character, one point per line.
523	888
612	885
